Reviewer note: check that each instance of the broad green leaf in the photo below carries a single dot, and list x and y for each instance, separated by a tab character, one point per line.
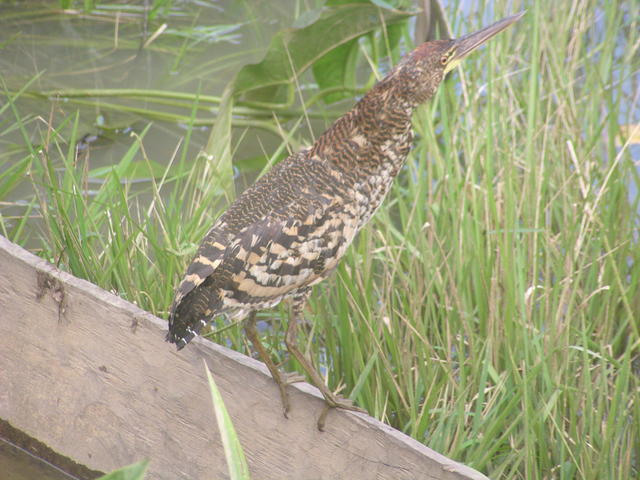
337	69
292	51
390	41
132	472
307	18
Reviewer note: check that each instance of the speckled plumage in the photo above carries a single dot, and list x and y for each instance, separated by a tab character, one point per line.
290	229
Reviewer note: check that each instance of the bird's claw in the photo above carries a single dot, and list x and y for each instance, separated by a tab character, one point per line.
336	401
286	379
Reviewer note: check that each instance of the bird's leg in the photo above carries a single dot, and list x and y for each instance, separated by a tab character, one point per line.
281	379
291	339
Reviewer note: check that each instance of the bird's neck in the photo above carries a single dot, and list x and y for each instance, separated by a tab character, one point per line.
361	136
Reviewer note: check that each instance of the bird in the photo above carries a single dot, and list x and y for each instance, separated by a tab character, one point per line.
288	231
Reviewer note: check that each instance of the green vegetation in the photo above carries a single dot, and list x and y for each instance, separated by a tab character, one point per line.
236	461
490	310
135	471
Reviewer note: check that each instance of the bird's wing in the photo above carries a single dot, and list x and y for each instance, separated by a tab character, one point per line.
256	268
263	218
208	257
279	253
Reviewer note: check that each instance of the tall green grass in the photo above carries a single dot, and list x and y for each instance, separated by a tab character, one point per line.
491	309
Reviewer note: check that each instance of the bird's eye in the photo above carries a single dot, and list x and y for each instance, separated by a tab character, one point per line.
444	59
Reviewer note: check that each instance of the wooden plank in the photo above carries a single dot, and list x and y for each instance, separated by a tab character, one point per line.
90	375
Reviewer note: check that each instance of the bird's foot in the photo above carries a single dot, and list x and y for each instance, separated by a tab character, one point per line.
283	380
335	401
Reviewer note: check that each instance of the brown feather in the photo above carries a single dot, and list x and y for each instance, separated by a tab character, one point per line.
289	230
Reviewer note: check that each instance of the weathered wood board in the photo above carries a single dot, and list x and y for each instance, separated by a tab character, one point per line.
91	376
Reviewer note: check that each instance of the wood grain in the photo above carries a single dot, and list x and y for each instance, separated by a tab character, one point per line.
91	375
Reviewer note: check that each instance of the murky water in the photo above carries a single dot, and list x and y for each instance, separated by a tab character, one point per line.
192	47
17	464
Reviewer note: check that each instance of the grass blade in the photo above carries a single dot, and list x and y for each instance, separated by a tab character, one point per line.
236	461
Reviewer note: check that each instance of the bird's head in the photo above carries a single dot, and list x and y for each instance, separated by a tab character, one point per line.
420	72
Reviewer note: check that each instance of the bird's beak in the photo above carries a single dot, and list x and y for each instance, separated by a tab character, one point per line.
463	46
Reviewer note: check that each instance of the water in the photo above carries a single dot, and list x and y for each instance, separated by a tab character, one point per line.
18	464
194	46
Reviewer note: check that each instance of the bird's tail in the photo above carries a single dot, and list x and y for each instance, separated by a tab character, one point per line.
188	315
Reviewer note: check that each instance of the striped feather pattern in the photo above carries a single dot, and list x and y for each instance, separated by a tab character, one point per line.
289	230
